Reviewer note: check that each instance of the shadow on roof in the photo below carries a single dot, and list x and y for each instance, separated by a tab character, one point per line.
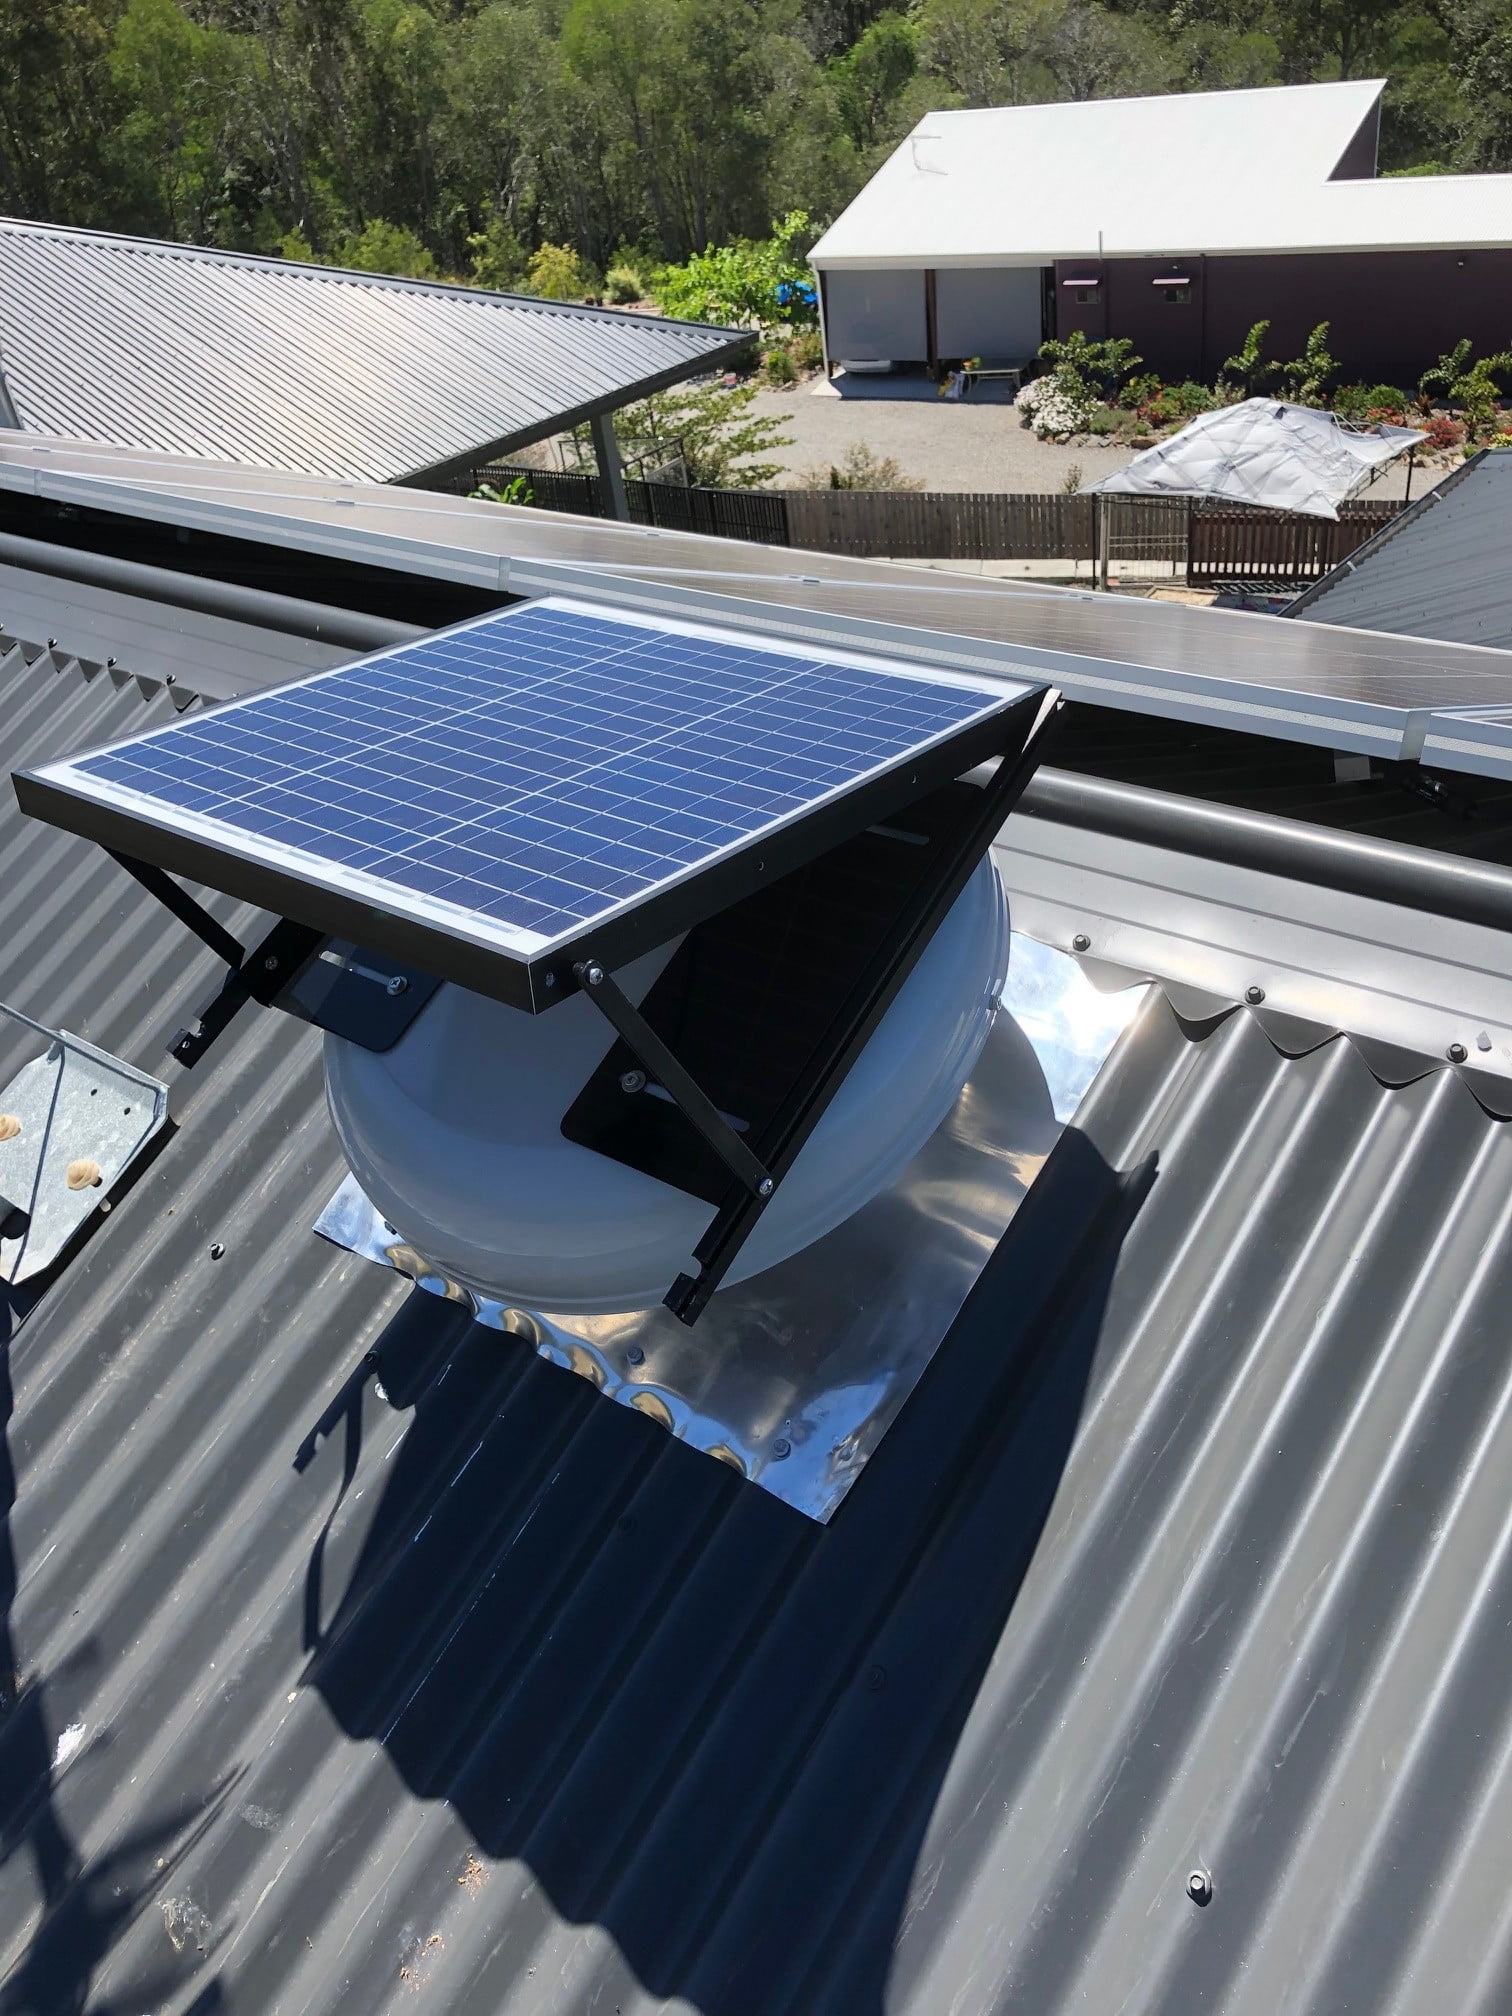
700	1721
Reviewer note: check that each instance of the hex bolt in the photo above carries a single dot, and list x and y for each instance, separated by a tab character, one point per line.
780	1448
217	1251
1200	1887
10	1126
1254	996
635	1355
397	985
632	1081
594	975
1456	1053
764	1188
1081	942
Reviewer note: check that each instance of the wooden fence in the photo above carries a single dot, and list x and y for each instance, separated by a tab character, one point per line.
1209	543
1225	543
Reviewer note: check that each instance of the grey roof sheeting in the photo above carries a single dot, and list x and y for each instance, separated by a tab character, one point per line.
355	1658
1336	689
193	351
1438	570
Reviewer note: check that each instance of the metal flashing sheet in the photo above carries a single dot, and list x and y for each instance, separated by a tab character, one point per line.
794	1376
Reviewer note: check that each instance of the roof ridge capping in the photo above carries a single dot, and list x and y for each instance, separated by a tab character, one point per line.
264	262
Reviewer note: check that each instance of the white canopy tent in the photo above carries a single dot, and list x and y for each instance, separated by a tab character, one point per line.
1286	458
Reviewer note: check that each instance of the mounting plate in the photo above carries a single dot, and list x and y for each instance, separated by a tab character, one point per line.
72	1122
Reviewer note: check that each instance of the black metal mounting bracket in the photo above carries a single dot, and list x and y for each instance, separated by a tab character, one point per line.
876	985
754	1022
662	1068
366	997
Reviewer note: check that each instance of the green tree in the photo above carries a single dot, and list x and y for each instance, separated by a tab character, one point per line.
869	79
381	247
1307	377
714	431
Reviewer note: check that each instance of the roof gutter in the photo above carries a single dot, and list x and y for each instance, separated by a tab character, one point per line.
1410	877
260	606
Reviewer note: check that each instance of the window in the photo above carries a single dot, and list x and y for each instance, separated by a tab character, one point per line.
1084	295
1181	292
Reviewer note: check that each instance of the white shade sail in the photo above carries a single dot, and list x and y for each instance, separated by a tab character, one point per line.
1287	458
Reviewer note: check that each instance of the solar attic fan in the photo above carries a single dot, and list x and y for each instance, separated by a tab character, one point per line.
646	952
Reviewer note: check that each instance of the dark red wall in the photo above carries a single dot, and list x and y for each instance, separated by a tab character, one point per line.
1390	314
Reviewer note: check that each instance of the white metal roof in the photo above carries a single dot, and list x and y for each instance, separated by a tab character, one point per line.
308	369
1198	172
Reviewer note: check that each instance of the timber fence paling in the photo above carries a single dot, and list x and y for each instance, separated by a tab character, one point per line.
1235	543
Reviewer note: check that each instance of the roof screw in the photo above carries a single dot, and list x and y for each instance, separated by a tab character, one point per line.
594	975
397	985
764	1188
780	1448
632	1081
52	643
1456	1053
1200	1887
270	964
1254	996
635	1355
110	661
1081	942
876	1679
170	680
217	1251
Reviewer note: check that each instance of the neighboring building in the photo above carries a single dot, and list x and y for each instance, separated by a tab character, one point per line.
310	369
1177	222
353	1658
1440	569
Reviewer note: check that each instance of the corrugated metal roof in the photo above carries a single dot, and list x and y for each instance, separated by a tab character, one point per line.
308	368
1438	570
1194	172
355	1658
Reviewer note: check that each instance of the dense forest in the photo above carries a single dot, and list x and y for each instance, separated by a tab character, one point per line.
459	136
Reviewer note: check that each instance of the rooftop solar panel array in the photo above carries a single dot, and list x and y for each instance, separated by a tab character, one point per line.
541	767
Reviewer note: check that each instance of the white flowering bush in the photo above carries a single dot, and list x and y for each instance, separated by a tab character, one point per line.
1052	408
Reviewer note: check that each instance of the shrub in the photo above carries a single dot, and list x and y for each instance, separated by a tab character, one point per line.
518	490
1105	420
1442	433
386	248
1138	391
860	469
712	429
777	367
1307	376
1050	409
754	280
1071	482
556	275
807	350
1369	402
622	285
499	261
1246	371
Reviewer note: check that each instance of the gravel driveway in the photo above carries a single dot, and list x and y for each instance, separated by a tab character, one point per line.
965	444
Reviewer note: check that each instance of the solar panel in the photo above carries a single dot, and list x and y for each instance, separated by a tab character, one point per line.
525	780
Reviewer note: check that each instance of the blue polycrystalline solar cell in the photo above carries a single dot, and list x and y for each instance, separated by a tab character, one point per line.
538	768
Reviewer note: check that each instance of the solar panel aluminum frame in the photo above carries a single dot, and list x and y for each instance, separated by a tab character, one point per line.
529	981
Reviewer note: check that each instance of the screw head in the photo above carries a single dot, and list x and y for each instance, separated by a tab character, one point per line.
780	1448
1200	1886
765	1189
1081	942
876	1679
594	975
635	1355
549	981
1254	996
270	964
217	1251
632	1081
396	986
1456	1053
